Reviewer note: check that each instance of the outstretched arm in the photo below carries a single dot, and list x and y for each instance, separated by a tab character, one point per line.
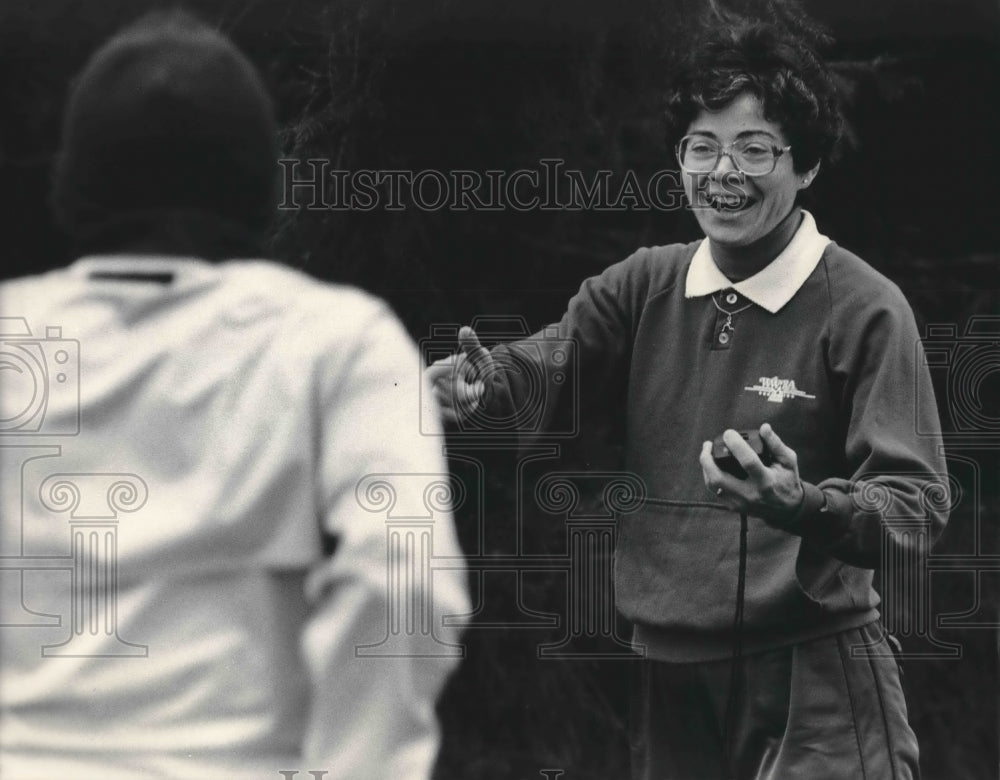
579	361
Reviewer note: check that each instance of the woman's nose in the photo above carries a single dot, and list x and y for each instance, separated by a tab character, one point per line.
725	164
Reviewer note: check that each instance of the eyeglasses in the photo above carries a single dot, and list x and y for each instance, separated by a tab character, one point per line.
751	156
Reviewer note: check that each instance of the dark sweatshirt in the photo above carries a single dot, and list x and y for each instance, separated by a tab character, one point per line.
829	355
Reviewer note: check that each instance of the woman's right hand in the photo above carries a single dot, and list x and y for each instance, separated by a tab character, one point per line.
457	381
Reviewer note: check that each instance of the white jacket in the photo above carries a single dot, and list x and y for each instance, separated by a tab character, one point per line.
167	609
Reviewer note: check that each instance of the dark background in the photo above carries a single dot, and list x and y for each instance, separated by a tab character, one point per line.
460	85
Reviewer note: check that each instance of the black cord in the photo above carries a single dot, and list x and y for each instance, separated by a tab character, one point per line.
736	669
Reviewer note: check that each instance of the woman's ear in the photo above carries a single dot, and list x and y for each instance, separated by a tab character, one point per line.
807	178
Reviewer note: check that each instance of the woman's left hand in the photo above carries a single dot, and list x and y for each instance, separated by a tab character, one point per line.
773	493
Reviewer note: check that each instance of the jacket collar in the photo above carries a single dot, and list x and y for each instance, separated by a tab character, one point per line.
775	284
176	270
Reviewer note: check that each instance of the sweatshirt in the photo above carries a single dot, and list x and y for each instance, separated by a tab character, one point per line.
819	345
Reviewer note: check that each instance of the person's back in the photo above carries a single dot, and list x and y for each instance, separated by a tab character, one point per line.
193	582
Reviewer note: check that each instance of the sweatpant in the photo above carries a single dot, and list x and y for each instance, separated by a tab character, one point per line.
805	711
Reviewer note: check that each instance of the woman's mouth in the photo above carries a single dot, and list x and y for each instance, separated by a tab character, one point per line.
729	202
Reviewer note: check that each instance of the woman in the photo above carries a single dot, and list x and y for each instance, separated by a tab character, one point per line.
751	598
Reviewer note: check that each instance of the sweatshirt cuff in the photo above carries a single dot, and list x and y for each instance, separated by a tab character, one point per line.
817	519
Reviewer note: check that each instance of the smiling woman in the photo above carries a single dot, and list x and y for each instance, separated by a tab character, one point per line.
766	327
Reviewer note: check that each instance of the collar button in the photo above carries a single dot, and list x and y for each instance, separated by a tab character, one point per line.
732	298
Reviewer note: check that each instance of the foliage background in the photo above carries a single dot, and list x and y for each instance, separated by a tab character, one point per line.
443	84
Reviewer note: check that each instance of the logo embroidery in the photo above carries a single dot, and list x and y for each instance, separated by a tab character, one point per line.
776	389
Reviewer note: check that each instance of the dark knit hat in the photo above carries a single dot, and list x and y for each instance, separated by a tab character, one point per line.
168	118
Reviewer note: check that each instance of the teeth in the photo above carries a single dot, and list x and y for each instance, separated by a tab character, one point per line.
728	202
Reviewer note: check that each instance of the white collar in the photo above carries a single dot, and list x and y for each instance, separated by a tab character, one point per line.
775	284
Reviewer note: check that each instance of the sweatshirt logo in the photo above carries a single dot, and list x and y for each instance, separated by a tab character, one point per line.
775	389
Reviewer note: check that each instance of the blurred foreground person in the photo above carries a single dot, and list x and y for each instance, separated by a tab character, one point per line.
190	496
747	575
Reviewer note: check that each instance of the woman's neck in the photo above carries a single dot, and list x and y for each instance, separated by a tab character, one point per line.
742	262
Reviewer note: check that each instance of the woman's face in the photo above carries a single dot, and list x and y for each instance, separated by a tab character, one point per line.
763	200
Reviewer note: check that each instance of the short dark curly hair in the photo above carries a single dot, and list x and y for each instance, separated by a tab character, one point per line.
782	70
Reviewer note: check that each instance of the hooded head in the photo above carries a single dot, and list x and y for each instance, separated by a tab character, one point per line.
168	145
